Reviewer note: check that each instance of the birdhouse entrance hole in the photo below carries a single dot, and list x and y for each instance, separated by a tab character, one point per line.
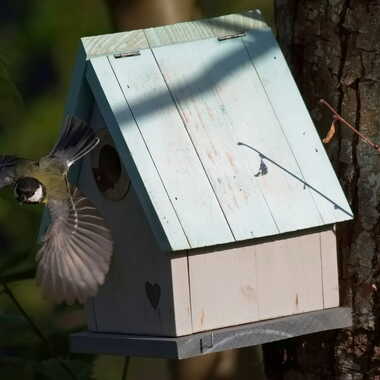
109	174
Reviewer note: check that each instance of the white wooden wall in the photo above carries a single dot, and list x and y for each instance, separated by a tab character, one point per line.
263	281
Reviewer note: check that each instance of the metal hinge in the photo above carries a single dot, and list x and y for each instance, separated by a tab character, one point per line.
127	54
229	36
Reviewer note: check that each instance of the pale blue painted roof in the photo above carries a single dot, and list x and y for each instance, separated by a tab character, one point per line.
217	141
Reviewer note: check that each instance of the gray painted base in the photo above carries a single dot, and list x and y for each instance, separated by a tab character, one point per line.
212	341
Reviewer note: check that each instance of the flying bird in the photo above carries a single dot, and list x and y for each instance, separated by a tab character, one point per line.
77	246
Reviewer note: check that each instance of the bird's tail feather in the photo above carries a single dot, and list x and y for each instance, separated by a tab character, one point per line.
75	141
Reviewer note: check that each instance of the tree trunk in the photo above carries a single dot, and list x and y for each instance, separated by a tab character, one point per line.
333	48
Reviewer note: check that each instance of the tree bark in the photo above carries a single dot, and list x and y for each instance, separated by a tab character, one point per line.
333	48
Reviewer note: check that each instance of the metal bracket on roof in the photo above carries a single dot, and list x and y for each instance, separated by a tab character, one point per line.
207	341
229	36
127	54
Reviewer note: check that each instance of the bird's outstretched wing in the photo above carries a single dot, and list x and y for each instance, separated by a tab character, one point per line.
76	252
8	173
76	140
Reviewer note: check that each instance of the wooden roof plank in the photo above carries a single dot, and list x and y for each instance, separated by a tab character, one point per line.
210	129
236	23
105	44
176	33
223	103
135	156
227	92
204	28
297	126
171	150
255	125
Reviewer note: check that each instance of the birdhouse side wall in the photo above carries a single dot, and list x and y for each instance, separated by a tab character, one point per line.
263	281
137	297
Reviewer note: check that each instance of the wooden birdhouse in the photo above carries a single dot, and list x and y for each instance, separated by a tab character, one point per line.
220	196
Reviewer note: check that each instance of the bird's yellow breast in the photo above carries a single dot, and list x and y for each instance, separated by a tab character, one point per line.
51	176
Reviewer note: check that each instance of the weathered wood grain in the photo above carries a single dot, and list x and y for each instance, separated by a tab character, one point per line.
171	150
265	280
114	43
198	93
204	28
297	126
223	287
181	32
329	269
134	155
183	319
233	104
289	278
236	23
223	103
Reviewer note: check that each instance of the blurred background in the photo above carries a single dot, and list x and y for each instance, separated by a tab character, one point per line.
38	44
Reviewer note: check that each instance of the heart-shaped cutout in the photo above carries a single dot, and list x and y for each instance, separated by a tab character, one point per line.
153	292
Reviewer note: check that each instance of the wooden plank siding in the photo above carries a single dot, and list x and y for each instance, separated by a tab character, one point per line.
263	281
133	153
204	28
329	269
114	43
163	35
223	287
199	92
289	276
222	103
295	121
199	113
183	112
171	150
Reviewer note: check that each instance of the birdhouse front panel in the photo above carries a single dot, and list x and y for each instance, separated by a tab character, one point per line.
221	140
